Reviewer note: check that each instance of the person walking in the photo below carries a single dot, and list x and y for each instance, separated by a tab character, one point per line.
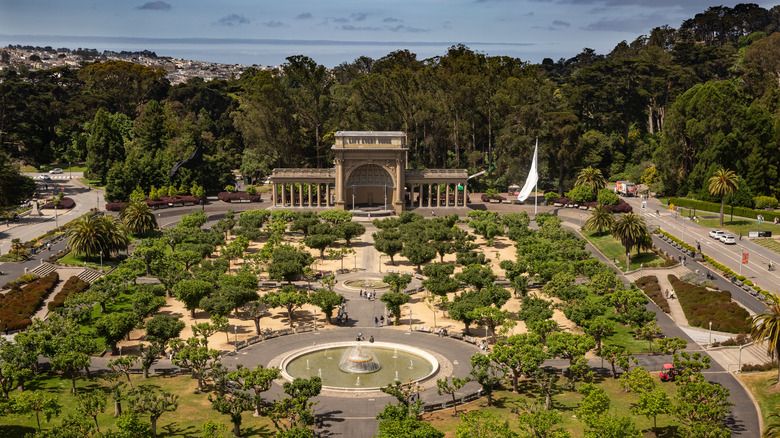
376	322
382	321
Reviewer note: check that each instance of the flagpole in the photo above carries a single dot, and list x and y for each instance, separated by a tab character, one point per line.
536	186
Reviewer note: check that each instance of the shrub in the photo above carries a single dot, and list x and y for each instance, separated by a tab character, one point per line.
235	196
74	285
114	206
702	306
607	197
230	189
621	207
251	190
21	280
649	284
581	194
715	208
550	197
768	366
766	202
65	203
18	305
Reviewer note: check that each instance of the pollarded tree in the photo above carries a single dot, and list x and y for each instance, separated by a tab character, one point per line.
138	217
38	402
326	300
394	301
195	355
651	404
123	365
477	276
153	401
161	329
572	347
234	405
116	326
257	380
349	230
484	372
397	282
766	327
289	297
600	219
320	242
451	388
631	231
91	404
418	253
256	310
592	178
517	354
288	263
723	182
389	242
440	281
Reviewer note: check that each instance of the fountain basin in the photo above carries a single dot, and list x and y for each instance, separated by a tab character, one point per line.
365	283
409	363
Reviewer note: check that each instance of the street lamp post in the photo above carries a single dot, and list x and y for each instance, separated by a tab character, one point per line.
356	262
410	320
70	172
710	333
235	333
739	362
385	197
353	198
56	220
315	319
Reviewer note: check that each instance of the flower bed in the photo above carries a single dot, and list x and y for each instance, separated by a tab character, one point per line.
649	284
74	285
17	306
238	196
621	207
163	202
702	306
65	202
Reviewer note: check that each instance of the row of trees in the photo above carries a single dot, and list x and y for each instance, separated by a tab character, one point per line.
662	101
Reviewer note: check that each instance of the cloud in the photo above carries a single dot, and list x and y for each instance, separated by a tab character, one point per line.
624	24
233	20
359	28
559	23
340	20
155	6
392	20
304	16
358	16
273	24
402	28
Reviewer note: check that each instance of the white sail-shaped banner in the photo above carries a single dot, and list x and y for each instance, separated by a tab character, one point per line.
533	178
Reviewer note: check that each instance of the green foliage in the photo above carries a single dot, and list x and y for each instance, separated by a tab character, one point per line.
394	301
713	207
702	306
607	197
581	194
397	282
766	202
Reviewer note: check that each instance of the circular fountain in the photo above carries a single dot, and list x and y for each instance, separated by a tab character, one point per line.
366	283
362	367
358	360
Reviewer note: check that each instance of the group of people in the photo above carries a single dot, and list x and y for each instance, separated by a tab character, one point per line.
483	345
342	316
379	322
360	337
364	293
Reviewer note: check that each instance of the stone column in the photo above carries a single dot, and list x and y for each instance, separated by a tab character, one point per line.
310	186
438	195
300	194
465	194
447	196
284	195
273	194
318	194
340	183
327	195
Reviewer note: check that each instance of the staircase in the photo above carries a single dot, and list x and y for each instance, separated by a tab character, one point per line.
44	269
89	275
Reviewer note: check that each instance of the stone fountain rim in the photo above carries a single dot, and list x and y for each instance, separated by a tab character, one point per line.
384	345
344	283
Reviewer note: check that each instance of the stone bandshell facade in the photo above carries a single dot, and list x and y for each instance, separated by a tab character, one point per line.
370	170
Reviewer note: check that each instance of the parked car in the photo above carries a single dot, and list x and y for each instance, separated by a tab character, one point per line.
57	170
44	177
728	239
715	234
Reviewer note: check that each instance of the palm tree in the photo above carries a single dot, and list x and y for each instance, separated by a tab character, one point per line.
96	235
773	429
631	231
723	182
600	219
766	327
138	217
592	178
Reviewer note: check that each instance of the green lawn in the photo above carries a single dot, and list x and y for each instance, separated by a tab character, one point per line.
772	244
565	402
73	259
740	225
613	249
186	421
74	167
761	385
624	336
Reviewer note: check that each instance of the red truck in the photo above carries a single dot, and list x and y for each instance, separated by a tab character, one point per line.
625	188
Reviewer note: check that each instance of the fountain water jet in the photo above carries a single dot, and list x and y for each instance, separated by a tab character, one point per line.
359	360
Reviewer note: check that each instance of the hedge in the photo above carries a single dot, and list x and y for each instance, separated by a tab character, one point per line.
65	203
74	285
649	284
702	306
18	305
715	208
621	207
238	196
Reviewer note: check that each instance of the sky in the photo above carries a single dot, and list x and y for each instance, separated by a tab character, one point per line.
264	32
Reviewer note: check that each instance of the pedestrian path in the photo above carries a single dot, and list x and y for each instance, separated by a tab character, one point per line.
676	311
